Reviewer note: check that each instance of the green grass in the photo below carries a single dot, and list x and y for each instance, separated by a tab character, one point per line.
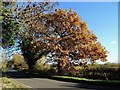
89	81
7	83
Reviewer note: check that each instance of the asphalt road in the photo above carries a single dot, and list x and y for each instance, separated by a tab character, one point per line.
32	82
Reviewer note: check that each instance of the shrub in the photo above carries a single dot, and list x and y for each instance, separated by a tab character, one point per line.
18	62
40	65
108	71
4	66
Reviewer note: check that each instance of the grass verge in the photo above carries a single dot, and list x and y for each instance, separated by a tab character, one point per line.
9	84
87	81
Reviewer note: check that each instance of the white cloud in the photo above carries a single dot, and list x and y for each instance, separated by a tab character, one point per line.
113	42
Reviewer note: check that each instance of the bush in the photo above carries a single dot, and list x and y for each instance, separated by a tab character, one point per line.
40	65
3	63
18	62
3	67
108	71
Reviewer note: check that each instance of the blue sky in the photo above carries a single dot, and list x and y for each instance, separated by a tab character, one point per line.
69	0
102	19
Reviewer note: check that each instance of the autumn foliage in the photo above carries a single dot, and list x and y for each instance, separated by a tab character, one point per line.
61	33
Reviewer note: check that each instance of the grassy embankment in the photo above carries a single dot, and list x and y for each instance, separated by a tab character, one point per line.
7	83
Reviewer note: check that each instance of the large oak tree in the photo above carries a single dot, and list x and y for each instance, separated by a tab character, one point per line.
61	33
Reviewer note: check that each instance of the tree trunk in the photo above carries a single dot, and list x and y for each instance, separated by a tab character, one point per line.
59	68
31	64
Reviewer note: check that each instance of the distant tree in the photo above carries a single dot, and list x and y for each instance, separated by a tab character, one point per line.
3	63
18	61
17	58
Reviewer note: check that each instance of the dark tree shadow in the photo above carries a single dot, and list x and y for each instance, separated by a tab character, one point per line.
91	87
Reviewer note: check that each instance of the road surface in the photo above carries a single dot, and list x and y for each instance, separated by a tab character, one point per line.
32	82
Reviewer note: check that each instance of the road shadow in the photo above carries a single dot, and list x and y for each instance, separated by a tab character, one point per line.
21	74
11	73
17	75
91	87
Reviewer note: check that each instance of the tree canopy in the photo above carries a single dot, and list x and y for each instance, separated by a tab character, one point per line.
59	32
10	26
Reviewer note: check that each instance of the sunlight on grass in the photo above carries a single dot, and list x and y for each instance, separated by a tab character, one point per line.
87	80
6	83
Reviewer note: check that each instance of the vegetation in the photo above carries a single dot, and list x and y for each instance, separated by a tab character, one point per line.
18	62
95	72
10	26
89	81
3	65
6	83
59	33
40	65
41	31
30	17
108	71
